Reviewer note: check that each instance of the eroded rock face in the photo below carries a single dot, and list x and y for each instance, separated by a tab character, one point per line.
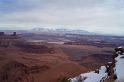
18	72
111	69
37	49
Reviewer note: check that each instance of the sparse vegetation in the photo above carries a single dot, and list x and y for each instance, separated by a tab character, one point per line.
63	79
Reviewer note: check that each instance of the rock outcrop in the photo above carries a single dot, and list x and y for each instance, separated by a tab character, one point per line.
18	72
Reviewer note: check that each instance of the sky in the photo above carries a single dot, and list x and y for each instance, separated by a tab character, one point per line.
103	16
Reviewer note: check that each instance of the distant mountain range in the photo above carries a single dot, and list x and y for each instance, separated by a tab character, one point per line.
66	31
57	30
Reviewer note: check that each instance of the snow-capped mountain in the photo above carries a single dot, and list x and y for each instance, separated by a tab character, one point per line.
66	31
112	72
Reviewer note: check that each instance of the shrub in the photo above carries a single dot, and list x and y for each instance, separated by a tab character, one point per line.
63	79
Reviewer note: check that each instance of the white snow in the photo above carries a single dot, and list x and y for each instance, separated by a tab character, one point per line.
92	76
119	68
121	47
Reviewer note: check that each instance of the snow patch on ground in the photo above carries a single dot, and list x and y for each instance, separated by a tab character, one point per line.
92	76
119	68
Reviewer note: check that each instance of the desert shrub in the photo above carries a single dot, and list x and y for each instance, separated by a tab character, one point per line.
115	77
63	79
81	79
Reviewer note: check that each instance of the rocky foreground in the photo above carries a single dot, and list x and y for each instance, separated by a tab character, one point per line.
112	72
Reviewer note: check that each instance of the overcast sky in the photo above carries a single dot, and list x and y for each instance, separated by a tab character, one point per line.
106	16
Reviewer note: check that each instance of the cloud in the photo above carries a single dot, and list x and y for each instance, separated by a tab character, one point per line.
92	15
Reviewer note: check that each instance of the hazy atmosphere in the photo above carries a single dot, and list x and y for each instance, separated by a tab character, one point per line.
106	16
61	40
